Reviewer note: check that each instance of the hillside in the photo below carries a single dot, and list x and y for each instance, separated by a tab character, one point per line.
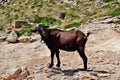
77	11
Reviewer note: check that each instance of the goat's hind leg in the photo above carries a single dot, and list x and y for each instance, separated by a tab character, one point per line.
52	59
82	54
58	58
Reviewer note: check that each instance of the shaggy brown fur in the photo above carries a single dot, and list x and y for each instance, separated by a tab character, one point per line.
57	39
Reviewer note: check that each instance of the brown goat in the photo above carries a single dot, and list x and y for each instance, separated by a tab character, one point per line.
57	39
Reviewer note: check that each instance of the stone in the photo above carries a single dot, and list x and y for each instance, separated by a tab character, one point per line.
38	78
14	75
90	77
3	36
19	74
99	2
12	37
30	21
61	16
104	75
116	28
27	39
24	68
94	74
24	39
39	66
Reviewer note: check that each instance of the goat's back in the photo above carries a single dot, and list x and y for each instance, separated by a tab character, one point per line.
66	37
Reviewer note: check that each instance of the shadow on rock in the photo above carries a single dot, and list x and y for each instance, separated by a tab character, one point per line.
71	72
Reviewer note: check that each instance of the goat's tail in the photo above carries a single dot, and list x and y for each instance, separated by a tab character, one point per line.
88	33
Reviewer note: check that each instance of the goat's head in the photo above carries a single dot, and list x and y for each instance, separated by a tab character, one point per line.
41	28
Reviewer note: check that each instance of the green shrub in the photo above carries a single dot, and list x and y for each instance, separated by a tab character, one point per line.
47	20
73	17
115	12
107	0
1	27
75	24
37	18
27	31
117	22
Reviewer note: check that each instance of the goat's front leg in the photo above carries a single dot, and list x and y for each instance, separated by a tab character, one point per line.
52	59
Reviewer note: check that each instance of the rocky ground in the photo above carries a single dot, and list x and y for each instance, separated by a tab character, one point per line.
102	50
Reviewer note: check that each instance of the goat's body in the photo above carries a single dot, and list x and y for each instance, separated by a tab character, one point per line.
65	40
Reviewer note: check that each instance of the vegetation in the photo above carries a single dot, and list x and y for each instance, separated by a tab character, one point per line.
75	24
107	0
47	20
1	27
25	30
117	22
115	12
46	12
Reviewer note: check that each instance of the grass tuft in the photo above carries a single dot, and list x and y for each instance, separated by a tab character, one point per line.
26	31
117	22
115	12
74	24
47	20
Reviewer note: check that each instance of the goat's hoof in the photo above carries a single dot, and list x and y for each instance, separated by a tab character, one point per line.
85	69
50	66
58	65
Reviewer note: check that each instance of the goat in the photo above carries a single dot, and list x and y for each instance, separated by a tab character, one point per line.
56	39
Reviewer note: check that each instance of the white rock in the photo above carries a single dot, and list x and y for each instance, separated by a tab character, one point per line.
12	37
38	78
24	39
39	66
3	36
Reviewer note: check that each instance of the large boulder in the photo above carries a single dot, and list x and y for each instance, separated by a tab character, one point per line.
12	37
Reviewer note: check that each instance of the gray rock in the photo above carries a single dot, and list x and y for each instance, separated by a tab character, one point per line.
61	15
39	66
24	68
12	37
90	78
3	36
104	75
99	2
38	78
24	39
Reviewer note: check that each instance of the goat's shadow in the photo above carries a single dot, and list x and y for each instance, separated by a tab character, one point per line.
71	72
